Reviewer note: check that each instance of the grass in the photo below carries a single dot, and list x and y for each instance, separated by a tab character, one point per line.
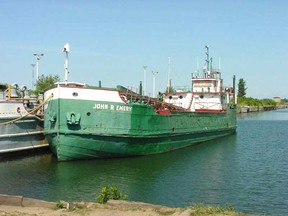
201	209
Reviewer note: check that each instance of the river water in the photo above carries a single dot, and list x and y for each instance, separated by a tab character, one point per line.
247	170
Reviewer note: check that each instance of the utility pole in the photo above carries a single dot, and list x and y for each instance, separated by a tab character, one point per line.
145	67
33	66
154	73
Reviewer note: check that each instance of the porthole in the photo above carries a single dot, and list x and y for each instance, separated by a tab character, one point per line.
75	94
170	97
180	96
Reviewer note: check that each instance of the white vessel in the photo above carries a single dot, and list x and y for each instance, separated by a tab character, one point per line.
21	120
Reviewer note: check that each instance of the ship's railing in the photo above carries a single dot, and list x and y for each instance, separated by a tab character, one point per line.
31	112
186	88
12	93
213	74
129	96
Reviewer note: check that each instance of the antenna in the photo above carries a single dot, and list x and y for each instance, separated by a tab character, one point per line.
211	68
66	49
207	57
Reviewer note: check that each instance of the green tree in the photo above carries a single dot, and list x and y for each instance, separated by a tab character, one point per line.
242	88
170	89
45	82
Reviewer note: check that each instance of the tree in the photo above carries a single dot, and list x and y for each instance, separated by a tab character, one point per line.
170	89
242	88
45	82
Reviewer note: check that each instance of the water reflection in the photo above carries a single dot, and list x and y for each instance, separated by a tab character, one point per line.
161	179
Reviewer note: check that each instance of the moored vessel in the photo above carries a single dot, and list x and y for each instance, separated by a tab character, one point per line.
21	120
84	122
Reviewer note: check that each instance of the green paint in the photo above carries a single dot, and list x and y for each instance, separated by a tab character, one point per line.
87	129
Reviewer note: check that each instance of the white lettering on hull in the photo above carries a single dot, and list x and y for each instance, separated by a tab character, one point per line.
123	108
112	107
100	106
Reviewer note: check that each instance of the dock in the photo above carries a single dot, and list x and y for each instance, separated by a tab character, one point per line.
247	109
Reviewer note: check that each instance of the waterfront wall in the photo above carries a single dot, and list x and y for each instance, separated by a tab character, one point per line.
247	109
11	200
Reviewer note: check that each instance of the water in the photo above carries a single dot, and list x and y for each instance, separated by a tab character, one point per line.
247	170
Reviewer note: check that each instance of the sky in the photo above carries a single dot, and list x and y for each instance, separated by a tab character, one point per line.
110	41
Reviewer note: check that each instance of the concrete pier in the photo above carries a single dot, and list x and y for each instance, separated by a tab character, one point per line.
247	109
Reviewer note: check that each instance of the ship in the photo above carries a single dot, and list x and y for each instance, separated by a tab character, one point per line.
21	120
86	122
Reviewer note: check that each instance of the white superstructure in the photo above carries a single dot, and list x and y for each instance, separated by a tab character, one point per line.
207	93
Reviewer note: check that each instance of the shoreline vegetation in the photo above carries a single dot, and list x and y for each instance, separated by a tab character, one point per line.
19	205
247	109
248	104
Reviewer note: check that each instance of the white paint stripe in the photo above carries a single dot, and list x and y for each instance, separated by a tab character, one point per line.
84	94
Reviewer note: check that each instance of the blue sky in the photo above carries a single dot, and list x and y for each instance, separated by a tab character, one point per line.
112	40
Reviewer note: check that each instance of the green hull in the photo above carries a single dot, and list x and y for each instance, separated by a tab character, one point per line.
79	146
84	129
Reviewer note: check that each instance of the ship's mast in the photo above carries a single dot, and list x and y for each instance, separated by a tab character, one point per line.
207	58
66	49
211	60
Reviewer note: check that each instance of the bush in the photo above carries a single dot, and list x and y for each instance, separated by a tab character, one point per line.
248	101
110	192
60	204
